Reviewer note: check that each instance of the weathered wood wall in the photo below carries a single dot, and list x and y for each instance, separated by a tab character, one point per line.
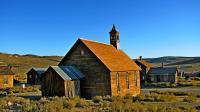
9	79
72	88
52	84
97	76
33	78
143	72
163	78
134	83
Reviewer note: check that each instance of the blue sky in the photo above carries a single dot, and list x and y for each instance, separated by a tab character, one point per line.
151	28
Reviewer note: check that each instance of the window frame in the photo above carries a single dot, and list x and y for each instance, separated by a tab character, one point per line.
135	79
127	81
118	81
82	52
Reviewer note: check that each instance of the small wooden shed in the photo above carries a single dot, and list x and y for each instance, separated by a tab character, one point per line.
6	77
34	76
61	81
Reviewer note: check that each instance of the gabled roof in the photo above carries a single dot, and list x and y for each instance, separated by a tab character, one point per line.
114	59
5	70
39	71
162	71
144	63
68	72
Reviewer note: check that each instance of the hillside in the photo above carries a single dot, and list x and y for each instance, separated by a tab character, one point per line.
186	64
22	63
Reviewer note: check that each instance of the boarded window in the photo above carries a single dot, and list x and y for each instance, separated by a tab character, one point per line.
117	82
152	79
127	80
5	80
82	52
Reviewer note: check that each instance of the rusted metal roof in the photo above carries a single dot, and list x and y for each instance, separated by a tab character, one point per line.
39	70
6	70
162	71
68	72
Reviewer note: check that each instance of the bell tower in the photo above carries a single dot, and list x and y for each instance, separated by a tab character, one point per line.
114	37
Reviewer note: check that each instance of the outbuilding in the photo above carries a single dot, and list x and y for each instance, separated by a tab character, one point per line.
34	76
61	81
6	77
163	74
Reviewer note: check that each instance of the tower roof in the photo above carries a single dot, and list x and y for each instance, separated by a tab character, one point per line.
113	29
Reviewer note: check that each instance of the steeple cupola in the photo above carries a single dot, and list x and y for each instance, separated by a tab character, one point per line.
114	37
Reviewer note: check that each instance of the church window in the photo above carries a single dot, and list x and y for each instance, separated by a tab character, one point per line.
117	82
127	80
135	78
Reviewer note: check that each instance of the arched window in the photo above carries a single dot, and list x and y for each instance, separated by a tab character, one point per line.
127	80
117	82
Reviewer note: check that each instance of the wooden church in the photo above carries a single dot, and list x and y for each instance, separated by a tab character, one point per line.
105	68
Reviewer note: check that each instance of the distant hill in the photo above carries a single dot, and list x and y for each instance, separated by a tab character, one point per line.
22	63
186	64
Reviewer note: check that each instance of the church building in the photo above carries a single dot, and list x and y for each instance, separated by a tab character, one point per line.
107	70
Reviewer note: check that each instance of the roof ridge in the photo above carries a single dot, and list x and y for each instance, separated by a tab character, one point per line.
95	41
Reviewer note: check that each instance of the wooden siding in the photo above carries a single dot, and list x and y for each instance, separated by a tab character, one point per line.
97	76
72	88
33	78
134	85
6	81
52	84
163	78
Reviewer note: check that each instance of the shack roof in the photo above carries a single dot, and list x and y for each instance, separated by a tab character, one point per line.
6	70
68	72
163	71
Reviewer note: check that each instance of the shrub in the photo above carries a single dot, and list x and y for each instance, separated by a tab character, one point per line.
154	97
69	104
18	103
18	89
190	99
97	99
180	93
82	103
139	98
107	98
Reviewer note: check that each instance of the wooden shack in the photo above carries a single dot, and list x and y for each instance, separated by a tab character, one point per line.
145	67
34	76
61	81
6	77
107	69
163	74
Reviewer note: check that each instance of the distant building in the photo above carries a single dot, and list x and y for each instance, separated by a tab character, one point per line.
106	68
145	67
34	76
163	74
6	77
62	81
